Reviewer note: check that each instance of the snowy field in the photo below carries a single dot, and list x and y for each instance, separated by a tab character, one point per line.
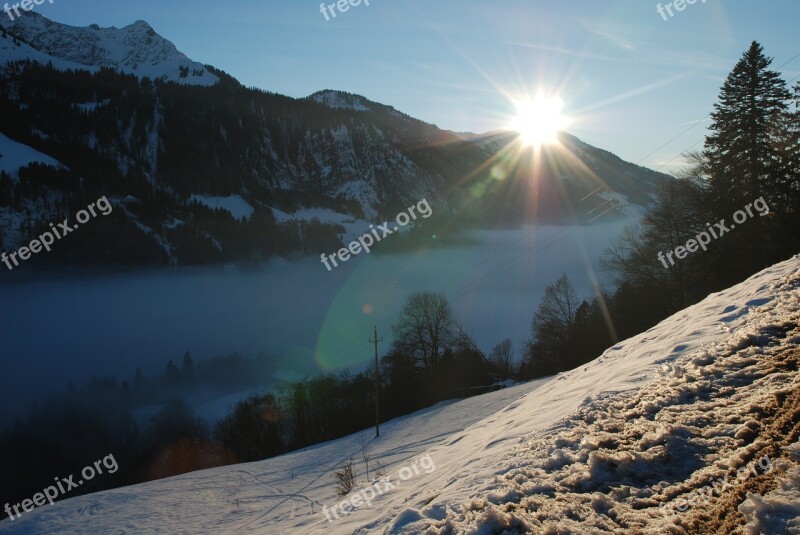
595	450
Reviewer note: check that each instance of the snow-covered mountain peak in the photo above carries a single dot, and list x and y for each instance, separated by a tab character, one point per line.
135	49
140	24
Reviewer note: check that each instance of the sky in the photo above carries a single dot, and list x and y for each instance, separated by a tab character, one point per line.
630	80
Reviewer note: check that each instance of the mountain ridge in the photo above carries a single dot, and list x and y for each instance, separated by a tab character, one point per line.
155	145
135	49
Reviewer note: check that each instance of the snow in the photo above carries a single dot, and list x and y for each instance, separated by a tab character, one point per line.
339	100
135	49
778	511
596	449
20	52
353	227
363	192
281	216
14	155
89	107
288	488
235	204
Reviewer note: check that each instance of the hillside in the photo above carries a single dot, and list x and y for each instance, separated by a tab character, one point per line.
599	449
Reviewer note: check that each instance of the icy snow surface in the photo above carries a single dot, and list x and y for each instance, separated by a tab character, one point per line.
594	450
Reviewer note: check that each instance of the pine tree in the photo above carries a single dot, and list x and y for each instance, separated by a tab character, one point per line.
746	156
785	191
741	149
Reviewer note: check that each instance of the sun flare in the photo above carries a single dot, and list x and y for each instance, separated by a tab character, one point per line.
539	121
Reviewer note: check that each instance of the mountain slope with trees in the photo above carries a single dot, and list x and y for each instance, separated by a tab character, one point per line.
154	145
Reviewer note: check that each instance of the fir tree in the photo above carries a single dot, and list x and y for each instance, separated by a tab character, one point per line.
741	149
746	156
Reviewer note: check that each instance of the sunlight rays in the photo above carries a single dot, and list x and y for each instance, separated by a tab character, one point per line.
539	121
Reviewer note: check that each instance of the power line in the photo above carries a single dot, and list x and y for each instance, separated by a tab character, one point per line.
537	247
563	232
673	139
515	242
377	385
567	231
703	119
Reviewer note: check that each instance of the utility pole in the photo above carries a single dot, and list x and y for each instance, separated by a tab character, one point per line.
377	384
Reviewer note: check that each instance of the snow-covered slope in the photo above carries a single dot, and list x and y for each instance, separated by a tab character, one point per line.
14	155
14	50
136	49
598	449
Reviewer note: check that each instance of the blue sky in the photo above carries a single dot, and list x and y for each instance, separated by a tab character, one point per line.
631	79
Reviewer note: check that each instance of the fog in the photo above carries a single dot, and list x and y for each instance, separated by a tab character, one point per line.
305	318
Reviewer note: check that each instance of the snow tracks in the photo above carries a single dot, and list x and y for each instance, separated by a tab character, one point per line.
725	417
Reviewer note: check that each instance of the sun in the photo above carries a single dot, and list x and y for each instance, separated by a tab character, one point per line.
539	121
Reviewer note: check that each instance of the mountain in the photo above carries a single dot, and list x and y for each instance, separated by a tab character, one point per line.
628	443
583	164
135	49
173	145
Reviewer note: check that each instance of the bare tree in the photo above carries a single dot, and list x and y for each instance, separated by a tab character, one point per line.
425	328
365	454
673	216
558	306
552	327
502	356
